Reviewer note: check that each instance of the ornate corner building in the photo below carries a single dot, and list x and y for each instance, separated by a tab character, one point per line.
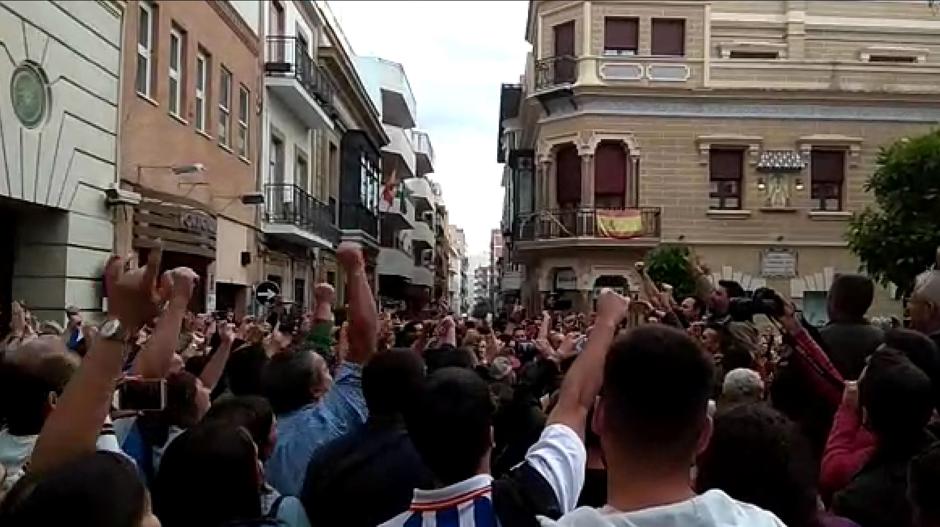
744	130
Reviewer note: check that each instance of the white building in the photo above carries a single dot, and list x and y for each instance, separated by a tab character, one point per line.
407	227
61	71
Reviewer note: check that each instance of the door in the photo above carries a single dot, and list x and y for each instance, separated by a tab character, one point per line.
276	30
278	189
564	53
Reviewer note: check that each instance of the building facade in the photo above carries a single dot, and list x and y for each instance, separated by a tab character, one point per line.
189	120
406	200
744	130
58	152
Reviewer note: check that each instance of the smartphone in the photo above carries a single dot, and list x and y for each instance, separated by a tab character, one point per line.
141	395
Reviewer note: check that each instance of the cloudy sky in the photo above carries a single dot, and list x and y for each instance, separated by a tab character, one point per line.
456	55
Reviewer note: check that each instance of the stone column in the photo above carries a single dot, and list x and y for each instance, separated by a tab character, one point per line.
587	180
551	201
633	182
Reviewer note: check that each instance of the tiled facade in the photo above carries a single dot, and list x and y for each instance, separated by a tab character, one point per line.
801	77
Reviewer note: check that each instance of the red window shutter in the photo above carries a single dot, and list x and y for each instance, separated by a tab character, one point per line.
620	33
725	165
828	166
564	39
568	176
610	169
668	37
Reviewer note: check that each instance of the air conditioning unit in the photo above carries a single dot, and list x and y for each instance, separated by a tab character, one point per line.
427	257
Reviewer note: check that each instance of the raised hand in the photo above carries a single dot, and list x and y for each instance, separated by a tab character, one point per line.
324	293
227	332
611	306
349	255
132	293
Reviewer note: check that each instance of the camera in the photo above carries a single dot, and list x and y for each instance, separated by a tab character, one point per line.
764	301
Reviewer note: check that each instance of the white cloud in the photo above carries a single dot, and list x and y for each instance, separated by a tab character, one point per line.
456	55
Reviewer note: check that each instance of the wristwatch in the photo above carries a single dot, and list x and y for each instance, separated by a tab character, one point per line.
113	330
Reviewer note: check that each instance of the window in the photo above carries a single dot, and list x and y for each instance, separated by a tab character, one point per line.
175	77
620	36
754	55
827	177
225	107
202	89
146	32
610	175
368	184
725	171
300	290
901	59
302	171
568	177
668	37
244	100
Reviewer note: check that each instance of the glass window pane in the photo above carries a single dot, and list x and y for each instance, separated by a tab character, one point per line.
142	65
731	203
200	73
174	52
714	203
174	96
143	27
243	106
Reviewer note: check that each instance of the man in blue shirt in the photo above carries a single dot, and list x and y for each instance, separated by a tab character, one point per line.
312	409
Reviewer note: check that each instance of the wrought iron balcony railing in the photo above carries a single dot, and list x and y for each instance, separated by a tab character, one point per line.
288	57
285	203
555	71
588	223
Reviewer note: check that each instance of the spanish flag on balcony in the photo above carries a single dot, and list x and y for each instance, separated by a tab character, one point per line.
619	223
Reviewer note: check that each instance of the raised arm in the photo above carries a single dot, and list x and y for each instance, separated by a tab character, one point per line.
584	379
72	429
363	316
156	358
214	368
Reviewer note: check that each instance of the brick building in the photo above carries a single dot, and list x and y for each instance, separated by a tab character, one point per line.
745	130
189	123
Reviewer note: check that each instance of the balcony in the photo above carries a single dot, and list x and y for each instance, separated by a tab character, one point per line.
422	235
649	71
588	227
397	216
420	190
298	81
355	220
394	262
555	72
294	215
423	151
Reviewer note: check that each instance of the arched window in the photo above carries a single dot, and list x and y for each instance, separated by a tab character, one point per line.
610	175
568	177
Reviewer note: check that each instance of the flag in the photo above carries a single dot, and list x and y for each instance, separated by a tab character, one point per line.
622	224
388	191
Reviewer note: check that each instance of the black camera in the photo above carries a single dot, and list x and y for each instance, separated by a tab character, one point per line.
764	301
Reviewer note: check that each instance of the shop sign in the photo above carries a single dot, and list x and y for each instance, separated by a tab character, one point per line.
197	222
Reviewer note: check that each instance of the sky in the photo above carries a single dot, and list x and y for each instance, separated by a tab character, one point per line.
455	54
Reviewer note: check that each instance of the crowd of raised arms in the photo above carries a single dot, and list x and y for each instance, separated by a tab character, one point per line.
720	409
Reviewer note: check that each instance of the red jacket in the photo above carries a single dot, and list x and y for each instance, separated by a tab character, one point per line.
848	448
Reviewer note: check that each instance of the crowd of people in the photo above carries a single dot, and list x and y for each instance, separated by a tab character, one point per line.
720	409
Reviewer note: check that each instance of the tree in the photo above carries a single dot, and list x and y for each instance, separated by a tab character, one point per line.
897	239
667	264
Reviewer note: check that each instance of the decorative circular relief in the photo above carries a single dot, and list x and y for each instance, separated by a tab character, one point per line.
29	93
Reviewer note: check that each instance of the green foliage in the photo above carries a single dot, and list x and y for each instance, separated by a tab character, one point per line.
667	264
897	239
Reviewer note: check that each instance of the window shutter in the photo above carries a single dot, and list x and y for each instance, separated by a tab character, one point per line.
828	166
620	33
568	176
610	169
668	37
725	165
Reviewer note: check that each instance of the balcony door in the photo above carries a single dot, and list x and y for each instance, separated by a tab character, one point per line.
276	29
611	173
564	53
280	197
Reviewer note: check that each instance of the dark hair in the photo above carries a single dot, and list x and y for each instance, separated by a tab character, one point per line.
851	295
100	489
287	380
897	396
208	476
924	486
392	382
180	411
251	412
733	288
758	456
657	382
243	369
451	425
922	351
448	356
27	376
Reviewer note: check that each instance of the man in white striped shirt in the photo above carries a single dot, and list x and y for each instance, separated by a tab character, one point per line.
452	431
